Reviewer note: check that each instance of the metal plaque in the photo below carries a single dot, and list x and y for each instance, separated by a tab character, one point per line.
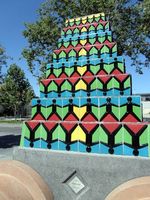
76	185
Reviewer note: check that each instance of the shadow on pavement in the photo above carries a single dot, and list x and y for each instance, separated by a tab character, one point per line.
9	141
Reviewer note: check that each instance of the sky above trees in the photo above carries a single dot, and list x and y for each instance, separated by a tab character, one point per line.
13	15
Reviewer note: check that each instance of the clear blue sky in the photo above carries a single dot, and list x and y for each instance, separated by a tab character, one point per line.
13	14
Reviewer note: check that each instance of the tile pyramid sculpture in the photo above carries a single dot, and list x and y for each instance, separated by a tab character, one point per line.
86	102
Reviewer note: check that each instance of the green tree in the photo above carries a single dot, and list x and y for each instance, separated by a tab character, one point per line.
129	20
3	59
16	91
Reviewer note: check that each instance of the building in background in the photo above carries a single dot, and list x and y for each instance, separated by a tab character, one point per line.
145	97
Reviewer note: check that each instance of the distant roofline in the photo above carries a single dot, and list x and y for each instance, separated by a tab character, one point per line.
143	94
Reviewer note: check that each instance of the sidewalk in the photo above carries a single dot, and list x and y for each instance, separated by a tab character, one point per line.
9	138
10	129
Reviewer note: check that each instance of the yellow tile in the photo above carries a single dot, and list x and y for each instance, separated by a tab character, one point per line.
82	52
81	70
83	42
81	85
78	134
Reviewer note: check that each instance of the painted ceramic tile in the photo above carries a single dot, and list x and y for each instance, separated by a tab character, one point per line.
86	102
136	139
111	138
130	109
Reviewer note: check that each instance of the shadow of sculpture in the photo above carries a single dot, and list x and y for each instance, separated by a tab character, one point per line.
9	141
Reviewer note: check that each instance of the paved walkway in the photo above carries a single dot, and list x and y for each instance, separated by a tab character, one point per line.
10	129
9	138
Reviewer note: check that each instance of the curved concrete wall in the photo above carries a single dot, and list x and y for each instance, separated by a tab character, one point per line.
135	189
19	181
100	174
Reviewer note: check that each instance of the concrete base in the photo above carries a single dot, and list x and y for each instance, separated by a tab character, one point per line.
92	176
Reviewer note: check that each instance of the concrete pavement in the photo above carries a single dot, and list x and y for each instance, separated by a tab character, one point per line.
10	129
9	138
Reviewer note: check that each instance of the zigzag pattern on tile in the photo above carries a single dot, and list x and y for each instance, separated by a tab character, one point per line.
86	102
103	138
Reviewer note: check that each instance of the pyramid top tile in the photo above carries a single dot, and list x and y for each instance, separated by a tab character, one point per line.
84	18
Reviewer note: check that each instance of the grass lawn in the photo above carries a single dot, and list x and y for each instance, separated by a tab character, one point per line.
11	121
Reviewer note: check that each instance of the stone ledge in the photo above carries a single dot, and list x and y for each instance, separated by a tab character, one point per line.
99	174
